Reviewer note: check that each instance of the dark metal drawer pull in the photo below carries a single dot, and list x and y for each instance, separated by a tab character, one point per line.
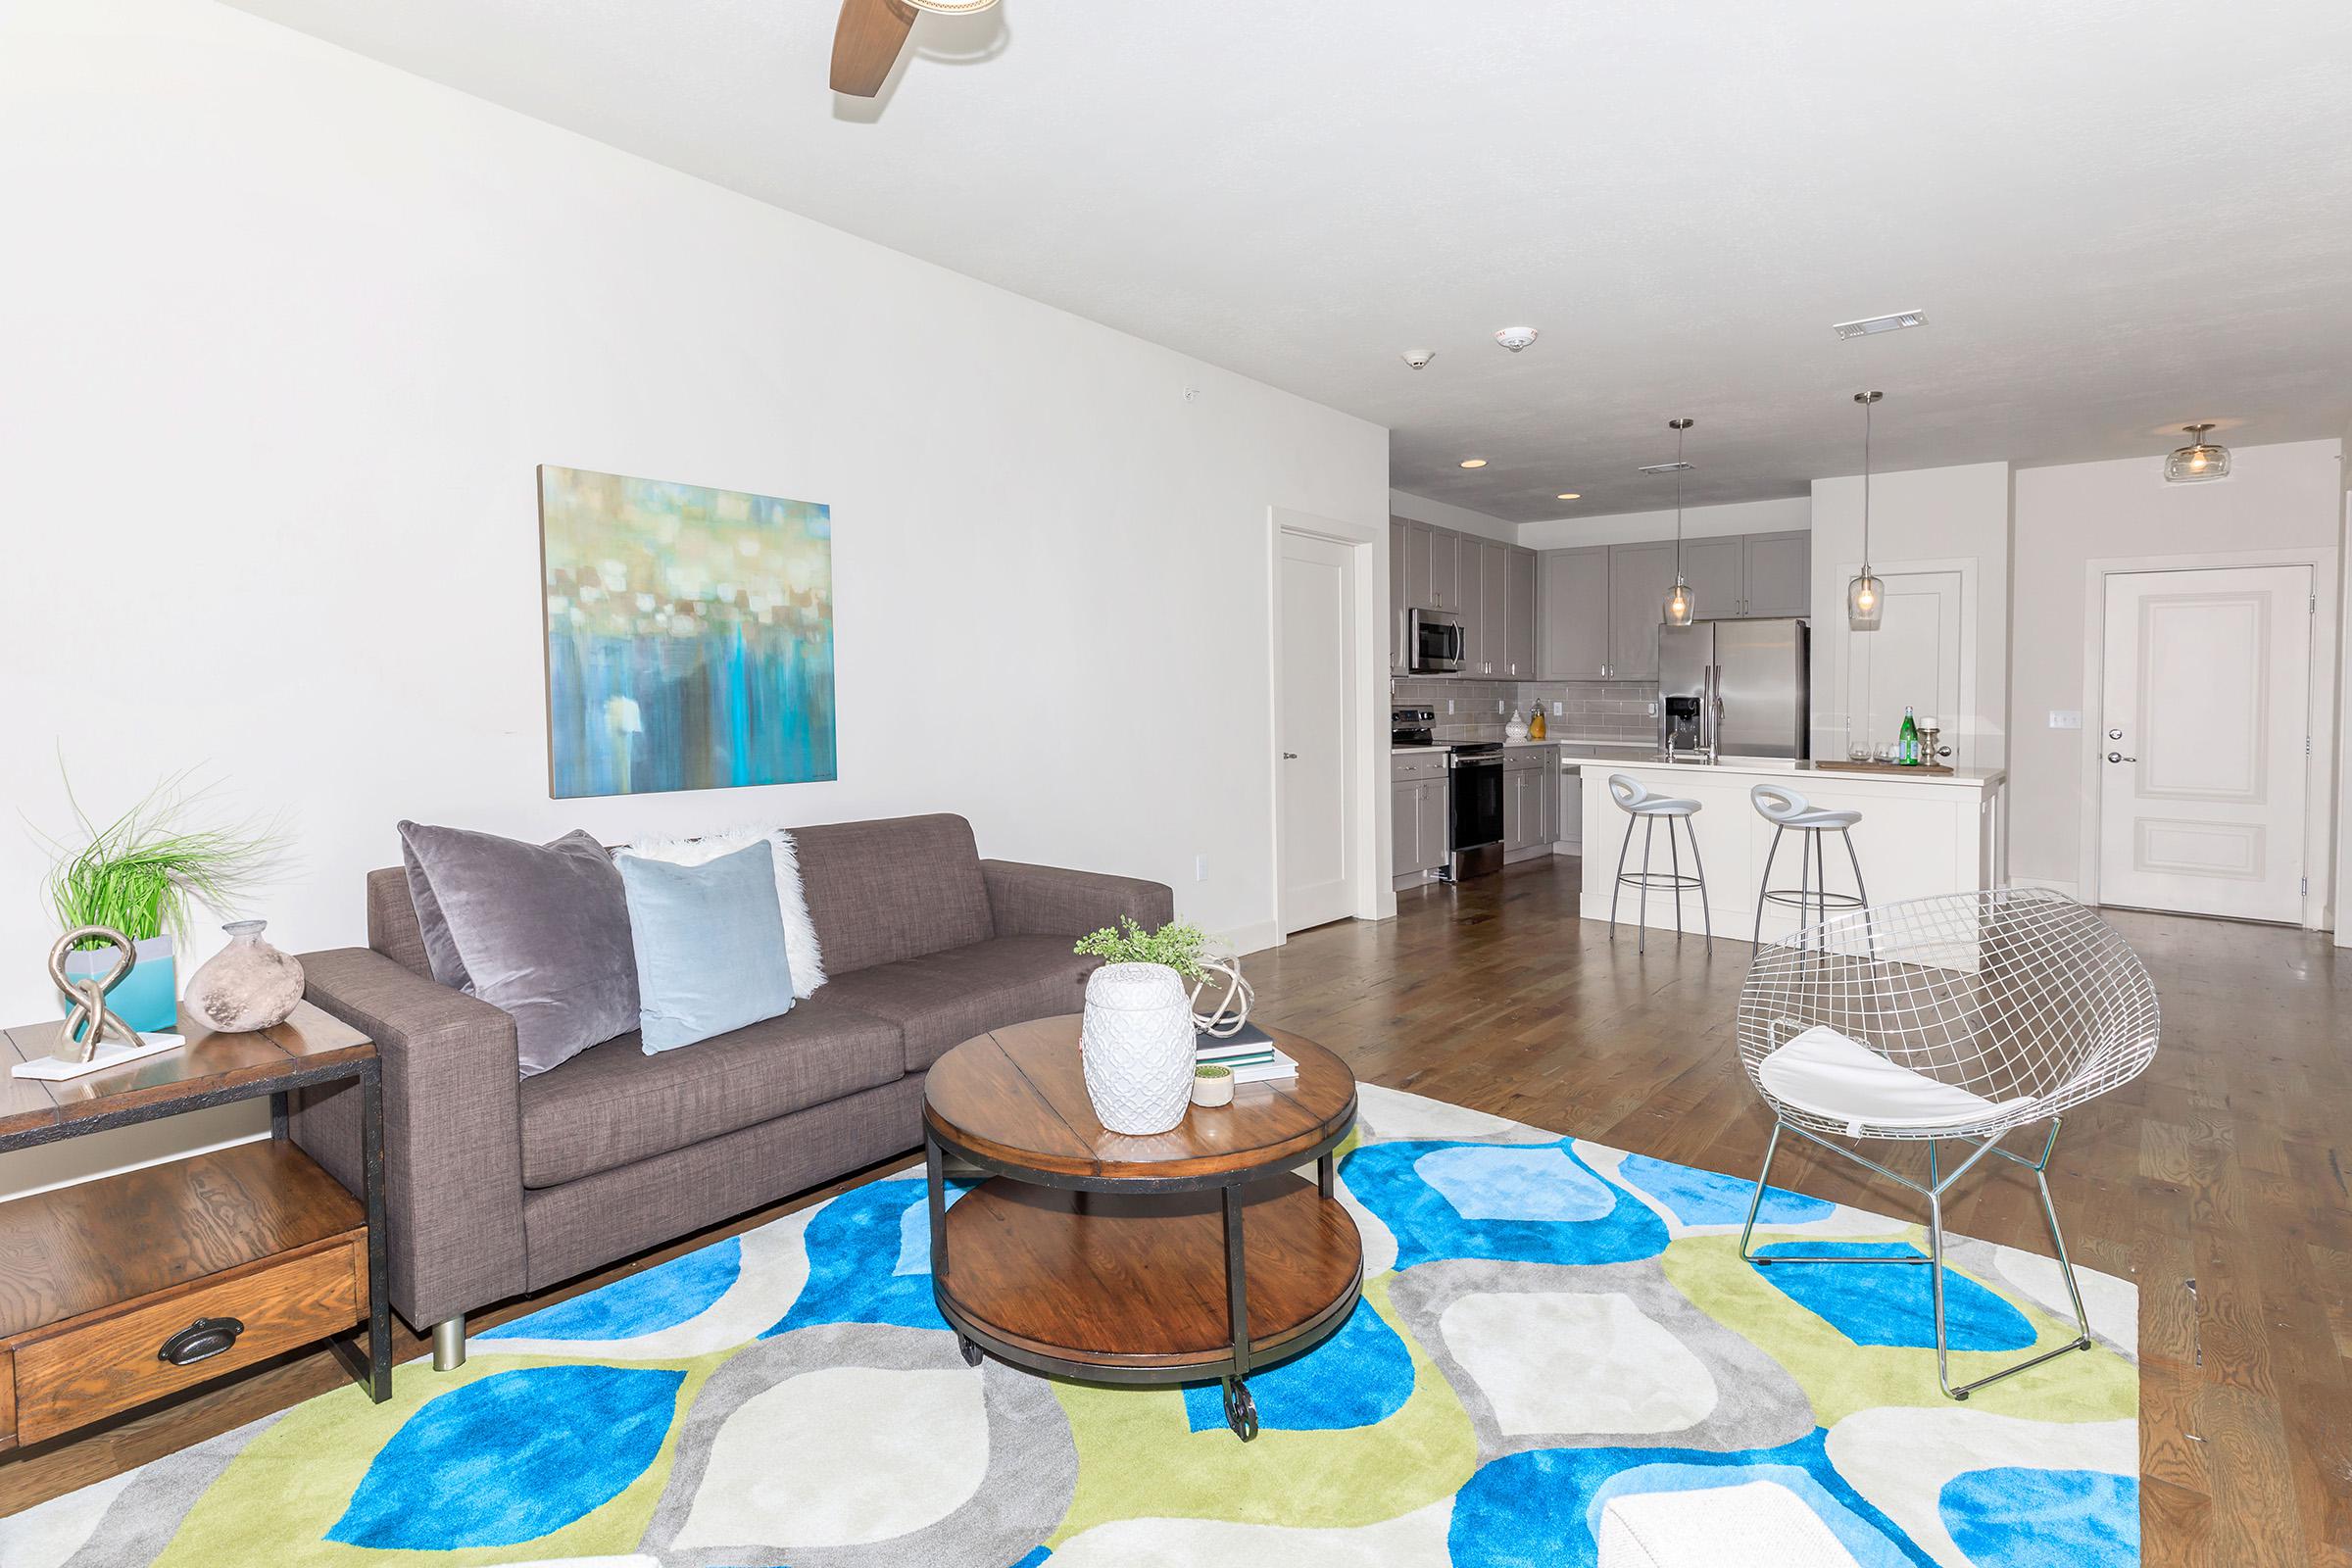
200	1341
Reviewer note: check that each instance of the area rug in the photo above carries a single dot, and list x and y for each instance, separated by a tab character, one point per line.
1546	1325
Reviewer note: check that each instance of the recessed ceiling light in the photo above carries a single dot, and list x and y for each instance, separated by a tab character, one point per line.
1881	323
1569	495
1474	462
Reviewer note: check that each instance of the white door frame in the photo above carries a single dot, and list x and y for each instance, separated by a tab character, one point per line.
1368	566
2318	795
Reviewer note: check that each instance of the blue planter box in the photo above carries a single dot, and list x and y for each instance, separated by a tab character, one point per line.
147	998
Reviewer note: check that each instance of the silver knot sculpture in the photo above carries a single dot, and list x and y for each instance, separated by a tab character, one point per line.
89	995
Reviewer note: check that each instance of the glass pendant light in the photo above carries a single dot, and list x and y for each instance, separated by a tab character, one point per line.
1679	598
2198	460
1865	595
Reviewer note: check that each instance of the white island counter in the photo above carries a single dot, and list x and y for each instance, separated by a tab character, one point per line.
1920	834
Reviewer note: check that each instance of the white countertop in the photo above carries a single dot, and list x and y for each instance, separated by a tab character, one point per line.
1966	778
1408	751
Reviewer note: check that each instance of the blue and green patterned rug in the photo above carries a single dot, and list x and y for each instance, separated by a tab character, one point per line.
1546	1325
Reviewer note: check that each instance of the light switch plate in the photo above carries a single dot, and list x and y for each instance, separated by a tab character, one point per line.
1559	709
2064	718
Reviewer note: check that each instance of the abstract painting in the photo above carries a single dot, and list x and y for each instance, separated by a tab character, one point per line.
689	636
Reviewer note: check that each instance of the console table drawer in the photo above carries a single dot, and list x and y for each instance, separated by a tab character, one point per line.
69	1374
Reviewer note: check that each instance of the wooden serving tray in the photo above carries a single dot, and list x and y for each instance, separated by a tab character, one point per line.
1931	769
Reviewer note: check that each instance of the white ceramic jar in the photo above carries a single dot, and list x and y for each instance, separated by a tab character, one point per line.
1135	1041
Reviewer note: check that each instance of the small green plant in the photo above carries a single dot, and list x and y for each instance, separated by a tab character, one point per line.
1210	1070
136	873
1177	944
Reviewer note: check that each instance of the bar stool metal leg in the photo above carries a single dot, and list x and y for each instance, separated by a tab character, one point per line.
1650	831
1617	888
1860	891
1674	858
1755	938
1698	866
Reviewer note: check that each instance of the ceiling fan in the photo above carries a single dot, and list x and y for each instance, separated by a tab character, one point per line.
867	43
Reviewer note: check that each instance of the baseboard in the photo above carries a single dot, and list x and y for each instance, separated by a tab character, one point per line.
1256	937
2051	883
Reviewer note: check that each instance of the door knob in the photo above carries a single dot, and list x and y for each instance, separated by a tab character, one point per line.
1290	756
2118	756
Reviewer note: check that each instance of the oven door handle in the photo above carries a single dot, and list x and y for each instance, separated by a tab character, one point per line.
1475	761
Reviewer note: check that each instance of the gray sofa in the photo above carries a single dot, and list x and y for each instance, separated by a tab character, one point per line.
500	1186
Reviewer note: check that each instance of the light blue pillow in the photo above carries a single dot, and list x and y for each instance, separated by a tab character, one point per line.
710	944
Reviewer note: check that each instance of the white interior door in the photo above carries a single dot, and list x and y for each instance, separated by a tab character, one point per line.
1915	660
1316	724
2204	716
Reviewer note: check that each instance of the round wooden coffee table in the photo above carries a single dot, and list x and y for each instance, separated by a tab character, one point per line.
1194	1254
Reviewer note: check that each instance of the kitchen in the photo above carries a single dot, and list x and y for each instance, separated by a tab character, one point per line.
1519	675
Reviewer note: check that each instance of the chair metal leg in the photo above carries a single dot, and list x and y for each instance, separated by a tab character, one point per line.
449	1343
1674	858
1618	887
1756	1202
1650	831
1755	938
1699	866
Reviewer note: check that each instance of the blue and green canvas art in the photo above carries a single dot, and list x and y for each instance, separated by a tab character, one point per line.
689	636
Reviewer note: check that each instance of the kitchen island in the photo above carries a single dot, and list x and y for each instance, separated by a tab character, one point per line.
1920	834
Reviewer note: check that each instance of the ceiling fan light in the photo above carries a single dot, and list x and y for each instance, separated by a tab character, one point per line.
2199	460
952	8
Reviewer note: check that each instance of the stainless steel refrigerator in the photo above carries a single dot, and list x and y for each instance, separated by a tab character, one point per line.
1743	686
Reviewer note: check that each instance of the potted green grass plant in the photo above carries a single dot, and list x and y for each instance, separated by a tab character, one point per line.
137	875
1136	1038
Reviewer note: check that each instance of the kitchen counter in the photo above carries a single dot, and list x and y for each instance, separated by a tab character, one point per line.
1920	835
1409	750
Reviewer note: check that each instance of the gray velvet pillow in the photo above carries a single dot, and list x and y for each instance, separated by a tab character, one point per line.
539	931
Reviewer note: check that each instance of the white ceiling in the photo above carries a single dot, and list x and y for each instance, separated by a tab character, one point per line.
2120	214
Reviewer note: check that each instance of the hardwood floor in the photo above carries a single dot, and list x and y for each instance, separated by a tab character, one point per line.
2217	1182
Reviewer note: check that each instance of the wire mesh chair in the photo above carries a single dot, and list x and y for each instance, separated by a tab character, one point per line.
1963	1016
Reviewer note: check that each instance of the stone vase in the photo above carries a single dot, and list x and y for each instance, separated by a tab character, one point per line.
1136	1042
247	985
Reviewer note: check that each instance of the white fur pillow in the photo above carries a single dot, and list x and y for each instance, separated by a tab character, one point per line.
799	932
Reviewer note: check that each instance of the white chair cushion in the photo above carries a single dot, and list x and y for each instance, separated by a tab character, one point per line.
1824	1072
1755	1523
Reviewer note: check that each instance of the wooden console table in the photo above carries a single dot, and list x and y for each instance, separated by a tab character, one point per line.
126	1289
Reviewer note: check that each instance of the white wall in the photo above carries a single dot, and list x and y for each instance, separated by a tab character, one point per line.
1781	515
291	330
2282	497
1444	514
1955	515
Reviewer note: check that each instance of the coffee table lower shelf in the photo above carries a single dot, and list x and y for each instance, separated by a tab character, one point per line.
1136	1288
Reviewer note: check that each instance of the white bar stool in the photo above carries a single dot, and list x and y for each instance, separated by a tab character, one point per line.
1788	812
1639	806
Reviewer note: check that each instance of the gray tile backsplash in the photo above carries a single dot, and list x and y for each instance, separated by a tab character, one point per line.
1589	710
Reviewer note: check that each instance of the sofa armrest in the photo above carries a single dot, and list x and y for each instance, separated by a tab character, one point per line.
1046	901
452	1131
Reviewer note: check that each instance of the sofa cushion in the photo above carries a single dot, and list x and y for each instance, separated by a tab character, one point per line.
613	1104
893	889
943	999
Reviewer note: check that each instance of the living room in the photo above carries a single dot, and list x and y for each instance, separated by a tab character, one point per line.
1074	360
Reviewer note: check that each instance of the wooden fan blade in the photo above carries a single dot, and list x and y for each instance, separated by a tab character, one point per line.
866	44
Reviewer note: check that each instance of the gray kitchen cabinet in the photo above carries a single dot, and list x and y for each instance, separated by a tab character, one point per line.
1717	571
1779	572
1414	555
1519	567
1638	577
1527	811
1568	824
1574	599
1404	826
1445	570
1399	655
1437	824
1418	820
1488	612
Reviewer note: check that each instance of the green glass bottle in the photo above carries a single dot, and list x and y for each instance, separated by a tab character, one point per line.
1907	742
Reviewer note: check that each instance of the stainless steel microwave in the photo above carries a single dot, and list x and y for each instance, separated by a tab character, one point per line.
1436	641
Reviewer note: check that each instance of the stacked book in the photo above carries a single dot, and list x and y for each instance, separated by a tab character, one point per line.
1250	1053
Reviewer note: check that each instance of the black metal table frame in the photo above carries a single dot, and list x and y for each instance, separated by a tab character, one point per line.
372	1367
1233	1370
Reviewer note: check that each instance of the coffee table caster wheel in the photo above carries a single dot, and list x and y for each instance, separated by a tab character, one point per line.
1240	1409
972	1354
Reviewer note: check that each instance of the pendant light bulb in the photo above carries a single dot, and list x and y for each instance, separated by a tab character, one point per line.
2198	460
1865	595
1680	603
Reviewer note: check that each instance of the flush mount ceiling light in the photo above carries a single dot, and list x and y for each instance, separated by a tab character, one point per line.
1569	495
952	8
1676	467
1474	462
1881	323
1676	612
1515	338
2199	460
1865	595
